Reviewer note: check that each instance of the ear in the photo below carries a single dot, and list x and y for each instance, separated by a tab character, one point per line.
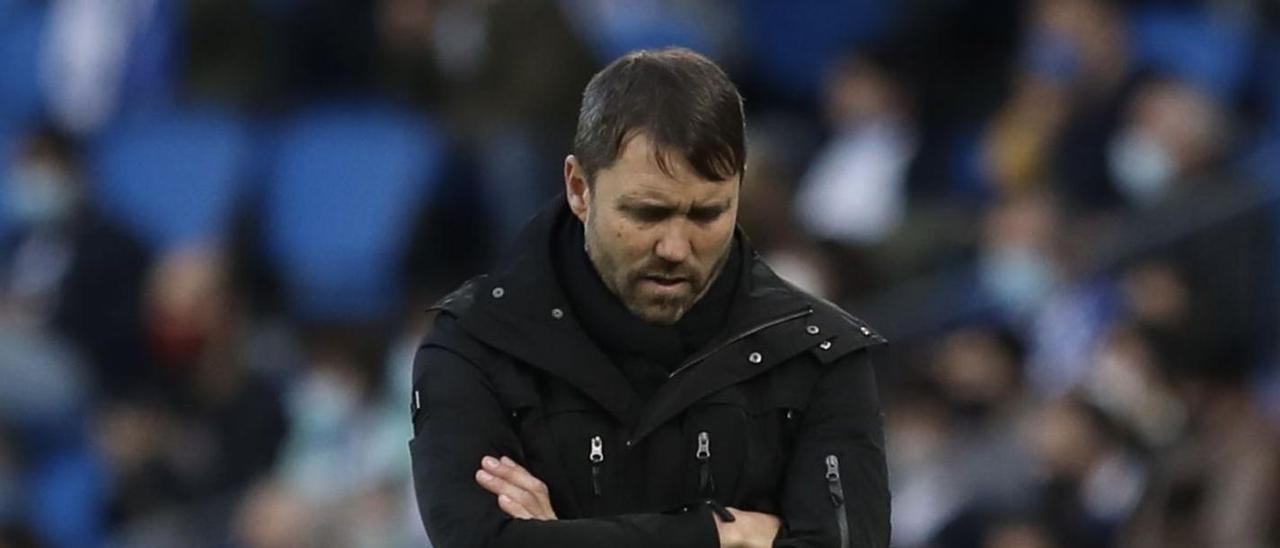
576	189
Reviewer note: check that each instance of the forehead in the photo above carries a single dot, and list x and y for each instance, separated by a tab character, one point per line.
636	174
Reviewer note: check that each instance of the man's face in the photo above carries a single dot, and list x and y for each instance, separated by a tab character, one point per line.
658	241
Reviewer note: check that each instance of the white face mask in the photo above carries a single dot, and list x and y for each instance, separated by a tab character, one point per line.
324	403
1018	278
1141	166
39	194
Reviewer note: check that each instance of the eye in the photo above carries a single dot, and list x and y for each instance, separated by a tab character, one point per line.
705	214
648	214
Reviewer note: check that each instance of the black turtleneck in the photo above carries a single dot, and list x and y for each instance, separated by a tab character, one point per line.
646	353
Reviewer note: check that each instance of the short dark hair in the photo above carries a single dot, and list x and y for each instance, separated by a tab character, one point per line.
681	100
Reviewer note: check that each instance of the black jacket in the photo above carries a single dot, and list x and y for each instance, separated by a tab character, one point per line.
777	414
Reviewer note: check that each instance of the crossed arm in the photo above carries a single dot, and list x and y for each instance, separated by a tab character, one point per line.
460	422
523	496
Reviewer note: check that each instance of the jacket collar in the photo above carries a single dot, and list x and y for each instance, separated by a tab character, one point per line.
522	311
622	334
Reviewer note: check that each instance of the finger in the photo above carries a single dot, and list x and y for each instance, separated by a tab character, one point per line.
532	483
500	486
505	491
511	471
495	484
489	482
513	508
747	513
508	461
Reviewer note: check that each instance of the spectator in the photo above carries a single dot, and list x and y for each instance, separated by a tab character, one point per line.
67	268
1219	485
855	192
1075	79
1092	480
1199	218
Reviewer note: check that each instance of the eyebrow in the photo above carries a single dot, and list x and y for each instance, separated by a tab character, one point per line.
638	204
632	200
643	196
716	207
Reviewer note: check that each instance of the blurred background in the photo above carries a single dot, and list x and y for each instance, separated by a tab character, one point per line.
221	222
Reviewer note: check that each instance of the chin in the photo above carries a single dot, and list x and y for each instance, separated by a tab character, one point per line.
663	320
659	314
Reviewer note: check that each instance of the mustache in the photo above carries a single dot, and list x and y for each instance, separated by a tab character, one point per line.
668	272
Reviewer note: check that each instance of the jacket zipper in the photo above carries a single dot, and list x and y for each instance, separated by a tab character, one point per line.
706	482
835	489
749	332
597	457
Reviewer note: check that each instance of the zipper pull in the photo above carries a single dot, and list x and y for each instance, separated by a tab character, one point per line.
706	482
596	457
704	446
834	488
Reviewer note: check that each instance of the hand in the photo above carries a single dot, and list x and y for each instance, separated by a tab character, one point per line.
748	530
520	494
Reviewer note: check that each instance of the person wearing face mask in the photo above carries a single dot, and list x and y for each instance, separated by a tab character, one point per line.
63	266
1174	138
636	375
1190	210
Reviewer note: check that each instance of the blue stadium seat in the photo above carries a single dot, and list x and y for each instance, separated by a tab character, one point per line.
791	44
22	29
10	8
173	176
1269	71
22	25
345	186
1209	52
612	29
1261	161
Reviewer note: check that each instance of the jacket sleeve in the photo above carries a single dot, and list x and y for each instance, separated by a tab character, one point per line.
836	489
457	420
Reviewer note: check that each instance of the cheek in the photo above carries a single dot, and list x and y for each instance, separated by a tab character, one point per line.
714	239
628	243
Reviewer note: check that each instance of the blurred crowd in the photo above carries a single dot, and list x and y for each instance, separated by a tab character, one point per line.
221	222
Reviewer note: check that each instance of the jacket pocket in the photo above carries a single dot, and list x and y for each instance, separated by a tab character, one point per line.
715	436
576	437
596	458
706	476
741	438
835	493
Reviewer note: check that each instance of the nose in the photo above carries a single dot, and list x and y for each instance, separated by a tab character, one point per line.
674	246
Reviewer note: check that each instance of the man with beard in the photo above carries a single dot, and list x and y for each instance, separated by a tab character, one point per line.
635	375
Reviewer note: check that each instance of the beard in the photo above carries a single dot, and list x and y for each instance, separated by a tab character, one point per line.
634	286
